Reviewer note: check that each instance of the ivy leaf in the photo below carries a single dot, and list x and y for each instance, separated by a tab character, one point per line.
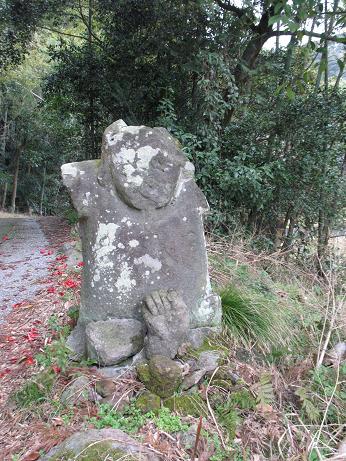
290	93
273	20
293	26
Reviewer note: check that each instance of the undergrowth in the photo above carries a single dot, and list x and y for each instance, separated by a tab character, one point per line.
286	400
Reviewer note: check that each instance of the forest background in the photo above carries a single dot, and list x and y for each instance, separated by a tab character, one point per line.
253	90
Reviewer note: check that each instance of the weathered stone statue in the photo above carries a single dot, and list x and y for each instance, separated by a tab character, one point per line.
145	263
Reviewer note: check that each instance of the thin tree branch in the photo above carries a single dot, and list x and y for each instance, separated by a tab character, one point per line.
86	23
330	38
231	8
62	33
239	12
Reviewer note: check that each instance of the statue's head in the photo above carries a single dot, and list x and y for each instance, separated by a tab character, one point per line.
145	164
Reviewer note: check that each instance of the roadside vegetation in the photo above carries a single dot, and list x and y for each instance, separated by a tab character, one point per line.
286	399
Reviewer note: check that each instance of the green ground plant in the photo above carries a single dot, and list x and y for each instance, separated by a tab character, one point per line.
35	391
54	355
131	419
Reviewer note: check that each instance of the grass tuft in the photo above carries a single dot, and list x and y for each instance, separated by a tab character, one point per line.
241	318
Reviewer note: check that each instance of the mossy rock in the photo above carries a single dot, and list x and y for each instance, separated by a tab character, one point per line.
209	345
143	372
147	402
161	375
187	405
98	445
36	390
98	452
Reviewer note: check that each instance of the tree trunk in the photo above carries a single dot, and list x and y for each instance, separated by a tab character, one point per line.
289	237
340	73
91	114
15	182
277	40
3	204
289	56
4	134
42	190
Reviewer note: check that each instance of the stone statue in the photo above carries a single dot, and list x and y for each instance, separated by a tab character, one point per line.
140	217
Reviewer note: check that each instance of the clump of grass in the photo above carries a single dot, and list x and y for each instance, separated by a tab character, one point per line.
35	391
241	318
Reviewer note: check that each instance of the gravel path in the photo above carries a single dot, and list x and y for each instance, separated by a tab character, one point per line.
23	261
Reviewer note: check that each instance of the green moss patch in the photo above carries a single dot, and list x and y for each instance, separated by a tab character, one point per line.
147	402
98	451
187	404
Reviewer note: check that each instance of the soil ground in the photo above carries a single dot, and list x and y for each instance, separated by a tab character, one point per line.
29	297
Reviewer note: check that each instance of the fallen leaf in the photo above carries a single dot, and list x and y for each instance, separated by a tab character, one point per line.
33	456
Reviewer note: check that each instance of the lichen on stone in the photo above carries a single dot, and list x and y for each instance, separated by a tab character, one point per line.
98	451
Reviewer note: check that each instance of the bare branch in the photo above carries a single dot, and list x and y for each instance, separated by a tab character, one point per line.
239	12
62	33
331	38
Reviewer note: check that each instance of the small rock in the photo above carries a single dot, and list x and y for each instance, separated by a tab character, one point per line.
148	402
138	358
112	372
74	255
197	336
209	360
193	379
76	343
188	438
105	387
226	374
98	445
118	400
161	375
167	319
78	391
338	352
112	341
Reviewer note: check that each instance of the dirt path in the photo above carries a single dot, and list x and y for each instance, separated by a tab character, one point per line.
24	260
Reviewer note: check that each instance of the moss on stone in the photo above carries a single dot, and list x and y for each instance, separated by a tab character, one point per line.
143	372
98	451
187	404
208	345
148	402
162	376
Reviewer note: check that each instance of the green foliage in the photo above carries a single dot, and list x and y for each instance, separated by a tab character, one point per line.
71	216
324	383
35	391
265	393
131	419
168	422
55	354
241	317
73	313
242	400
